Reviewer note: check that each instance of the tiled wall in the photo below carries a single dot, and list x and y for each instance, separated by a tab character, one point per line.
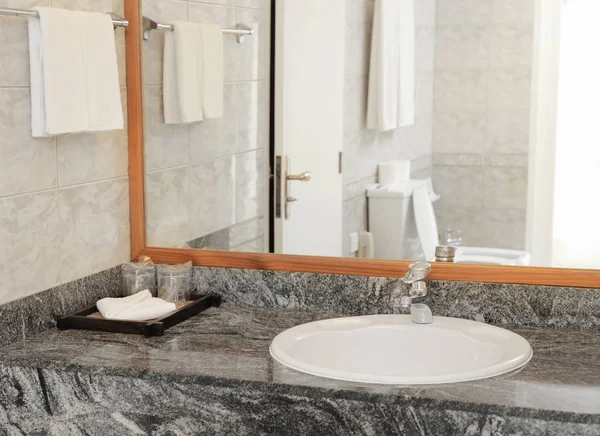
365	149
481	122
64	202
206	183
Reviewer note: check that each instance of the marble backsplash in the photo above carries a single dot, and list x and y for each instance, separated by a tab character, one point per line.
28	316
499	304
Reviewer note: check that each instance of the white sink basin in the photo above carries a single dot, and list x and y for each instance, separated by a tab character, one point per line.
391	349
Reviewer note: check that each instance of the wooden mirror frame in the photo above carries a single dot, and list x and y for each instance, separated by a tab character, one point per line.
311	264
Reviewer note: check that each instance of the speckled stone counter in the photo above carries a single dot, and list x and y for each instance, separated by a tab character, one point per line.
213	375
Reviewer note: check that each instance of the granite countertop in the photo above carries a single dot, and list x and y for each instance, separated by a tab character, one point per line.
229	346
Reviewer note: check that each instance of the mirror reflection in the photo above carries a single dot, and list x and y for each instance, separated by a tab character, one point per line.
361	128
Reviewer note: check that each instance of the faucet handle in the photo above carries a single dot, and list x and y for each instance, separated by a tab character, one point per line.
417	271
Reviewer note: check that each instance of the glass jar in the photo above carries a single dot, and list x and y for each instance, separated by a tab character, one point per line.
138	276
174	282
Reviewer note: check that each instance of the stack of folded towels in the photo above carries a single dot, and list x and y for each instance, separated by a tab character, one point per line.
138	307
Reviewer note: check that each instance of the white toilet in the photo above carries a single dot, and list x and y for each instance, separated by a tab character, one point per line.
403	223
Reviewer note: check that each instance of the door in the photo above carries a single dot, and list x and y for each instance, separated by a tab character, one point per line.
309	111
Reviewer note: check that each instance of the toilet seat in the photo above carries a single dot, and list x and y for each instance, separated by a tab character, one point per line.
491	256
427	230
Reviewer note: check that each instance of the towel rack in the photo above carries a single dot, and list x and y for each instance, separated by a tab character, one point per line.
117	21
149	25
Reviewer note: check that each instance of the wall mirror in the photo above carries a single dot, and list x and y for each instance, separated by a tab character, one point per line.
293	135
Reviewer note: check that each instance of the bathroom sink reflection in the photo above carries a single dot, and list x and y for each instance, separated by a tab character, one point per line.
391	349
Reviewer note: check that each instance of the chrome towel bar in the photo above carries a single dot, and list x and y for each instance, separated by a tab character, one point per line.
117	21
149	25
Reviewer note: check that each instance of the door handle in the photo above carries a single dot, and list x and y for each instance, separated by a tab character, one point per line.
302	177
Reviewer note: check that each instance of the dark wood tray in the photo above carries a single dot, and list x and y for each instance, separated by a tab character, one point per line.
90	319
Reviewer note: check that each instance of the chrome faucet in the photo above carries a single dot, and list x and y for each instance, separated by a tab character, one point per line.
419	288
452	238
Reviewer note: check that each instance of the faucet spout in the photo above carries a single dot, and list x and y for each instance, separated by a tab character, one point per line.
406	302
416	277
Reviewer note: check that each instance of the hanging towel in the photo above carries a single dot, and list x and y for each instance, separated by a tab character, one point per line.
391	101
138	307
182	87
74	73
212	70
193	73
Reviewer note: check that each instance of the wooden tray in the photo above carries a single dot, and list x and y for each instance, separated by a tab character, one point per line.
90	319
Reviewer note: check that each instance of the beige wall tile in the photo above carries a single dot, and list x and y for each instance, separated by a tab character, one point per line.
461	47
509	89
212	194
248	186
29	245
14	49
247	109
463	12
218	137
511	46
507	160
461	91
27	164
458	159
513	11
165	145
167	207
503	228
253	55
84	5
505	187
459	133
216	2
94	226
459	186
507	131
91	157
257	4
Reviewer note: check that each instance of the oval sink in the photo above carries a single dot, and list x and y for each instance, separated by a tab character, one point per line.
391	349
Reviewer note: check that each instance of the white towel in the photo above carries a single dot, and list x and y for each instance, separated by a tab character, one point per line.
74	73
193	73
212	70
391	101
138	307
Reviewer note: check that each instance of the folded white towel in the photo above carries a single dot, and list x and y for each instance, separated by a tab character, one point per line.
193	73
74	73
138	307
391	101
152	308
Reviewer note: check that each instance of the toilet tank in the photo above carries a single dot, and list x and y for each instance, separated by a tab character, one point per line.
392	222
